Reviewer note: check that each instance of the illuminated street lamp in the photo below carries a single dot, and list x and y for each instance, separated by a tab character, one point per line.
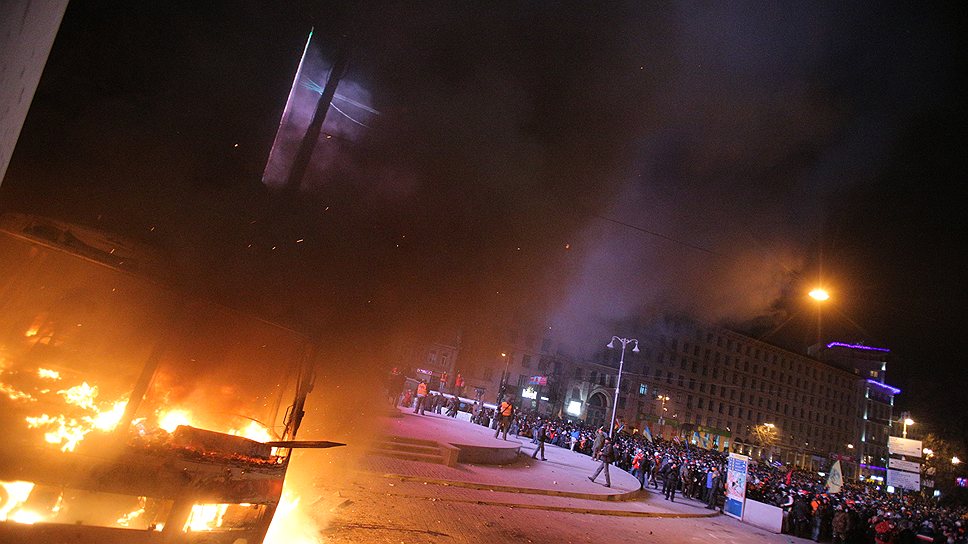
663	410
819	294
928	452
955	460
907	421
621	363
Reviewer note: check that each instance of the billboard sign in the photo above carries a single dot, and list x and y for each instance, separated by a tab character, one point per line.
904	446
907	480
736	471
907	466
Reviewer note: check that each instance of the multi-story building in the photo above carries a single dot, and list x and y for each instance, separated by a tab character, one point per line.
711	386
723	389
874	402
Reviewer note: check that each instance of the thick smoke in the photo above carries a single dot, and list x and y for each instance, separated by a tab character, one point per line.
511	147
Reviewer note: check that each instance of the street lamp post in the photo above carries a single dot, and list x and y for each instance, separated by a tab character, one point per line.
907	421
621	363
504	377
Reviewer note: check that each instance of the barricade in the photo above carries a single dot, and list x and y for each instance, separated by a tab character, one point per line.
764	516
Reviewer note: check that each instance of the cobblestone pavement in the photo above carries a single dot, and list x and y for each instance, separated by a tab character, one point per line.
388	500
374	509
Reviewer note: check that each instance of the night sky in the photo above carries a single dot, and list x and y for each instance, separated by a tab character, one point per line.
567	161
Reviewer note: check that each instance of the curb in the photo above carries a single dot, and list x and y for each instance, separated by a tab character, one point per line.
565	509
614	497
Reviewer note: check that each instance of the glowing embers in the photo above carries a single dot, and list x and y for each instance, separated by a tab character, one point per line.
224	517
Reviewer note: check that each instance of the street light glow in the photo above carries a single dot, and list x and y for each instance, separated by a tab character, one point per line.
819	294
908	421
955	460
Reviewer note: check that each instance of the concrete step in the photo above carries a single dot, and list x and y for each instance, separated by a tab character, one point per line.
408	440
435	458
410	448
416	449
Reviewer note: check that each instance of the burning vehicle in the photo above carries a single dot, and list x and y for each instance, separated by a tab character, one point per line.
132	412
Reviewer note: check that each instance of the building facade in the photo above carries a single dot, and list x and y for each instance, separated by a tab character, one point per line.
710	386
874	404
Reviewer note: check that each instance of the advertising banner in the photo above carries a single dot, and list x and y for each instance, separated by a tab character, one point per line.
736	470
904	446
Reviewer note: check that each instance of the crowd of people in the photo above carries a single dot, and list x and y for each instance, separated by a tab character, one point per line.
858	513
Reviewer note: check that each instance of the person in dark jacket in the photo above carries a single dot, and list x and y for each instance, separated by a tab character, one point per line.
841	525
715	490
672	481
606	456
800	516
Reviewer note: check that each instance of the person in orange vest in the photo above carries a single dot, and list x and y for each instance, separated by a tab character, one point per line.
420	405
506	414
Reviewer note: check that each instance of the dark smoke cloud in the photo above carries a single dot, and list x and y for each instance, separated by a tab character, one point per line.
508	140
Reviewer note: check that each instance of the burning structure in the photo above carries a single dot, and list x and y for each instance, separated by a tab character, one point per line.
133	412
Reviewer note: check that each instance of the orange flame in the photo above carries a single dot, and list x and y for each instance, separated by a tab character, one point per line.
205	517
16	494
169	420
292	524
126	519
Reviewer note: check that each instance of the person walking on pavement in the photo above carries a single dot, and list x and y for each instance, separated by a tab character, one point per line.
672	482
540	436
505	414
420	405
606	457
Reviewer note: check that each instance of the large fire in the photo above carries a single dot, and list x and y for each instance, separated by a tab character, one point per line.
82	412
68	430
